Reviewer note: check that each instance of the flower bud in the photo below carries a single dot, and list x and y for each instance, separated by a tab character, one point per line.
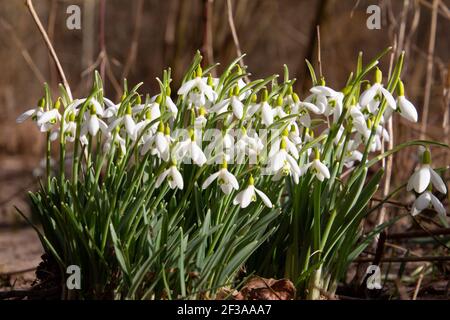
265	95
57	104
199	71
426	157
251	181
41	103
400	88
378	75
295	97
138	99
128	110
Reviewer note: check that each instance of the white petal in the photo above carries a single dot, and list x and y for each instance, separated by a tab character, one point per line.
322	168
422	179
247	196
177	177
264	198
161	178
238	107
186	87
231	179
368	95
130	126
210	179
437	205
437	182
423	201
266	114
407	109
93	125
389	98
24	116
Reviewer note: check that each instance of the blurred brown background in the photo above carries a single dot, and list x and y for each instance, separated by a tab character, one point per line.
136	39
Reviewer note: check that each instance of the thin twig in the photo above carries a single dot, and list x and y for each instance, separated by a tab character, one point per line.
429	76
419	282
26	55
234	34
207	47
132	53
30	6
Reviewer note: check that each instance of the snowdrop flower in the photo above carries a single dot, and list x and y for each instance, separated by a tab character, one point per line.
111	108
421	179
190	149
318	168
93	124
115	139
128	121
48	119
248	145
70	127
424	201
226	180
233	101
278	112
200	84
284	140
34	113
253	107
369	97
279	159
159	143
248	195
173	176
407	109
359	121
334	100
266	110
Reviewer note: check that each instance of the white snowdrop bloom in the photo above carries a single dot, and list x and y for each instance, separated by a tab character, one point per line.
115	139
200	121
226	180
129	123
111	108
158	144
351	156
173	177
34	114
250	145
420	180
424	201
48	119
70	127
334	99
191	150
236	106
92	123
318	100
253	107
221	146
266	113
200	84
248	195
318	168
359	121
156	100
406	108
284	140
371	97
279	158
151	114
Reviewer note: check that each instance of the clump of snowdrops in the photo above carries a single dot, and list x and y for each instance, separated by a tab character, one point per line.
168	196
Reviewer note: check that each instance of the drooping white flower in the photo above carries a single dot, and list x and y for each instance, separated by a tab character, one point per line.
334	100
200	85
191	150
371	97
250	145
226	180
129	123
407	109
420	180
158	144
424	201
279	159
318	168
248	195
173	176
236	106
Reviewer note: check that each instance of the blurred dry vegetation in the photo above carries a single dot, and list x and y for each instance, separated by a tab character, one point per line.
136	39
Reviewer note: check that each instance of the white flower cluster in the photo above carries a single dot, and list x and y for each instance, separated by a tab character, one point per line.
271	130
